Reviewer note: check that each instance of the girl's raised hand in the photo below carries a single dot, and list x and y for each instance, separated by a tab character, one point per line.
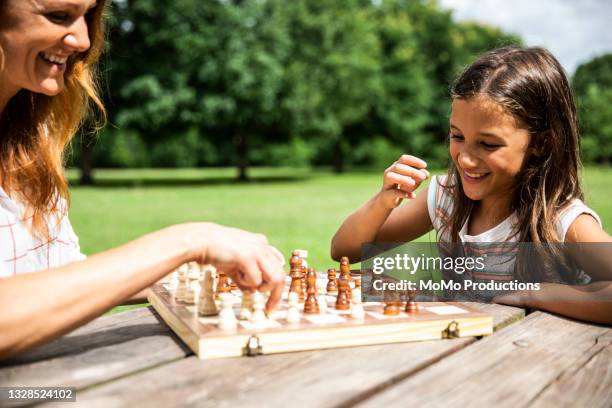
401	179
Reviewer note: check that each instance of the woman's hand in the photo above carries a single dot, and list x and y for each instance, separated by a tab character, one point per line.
401	179
247	258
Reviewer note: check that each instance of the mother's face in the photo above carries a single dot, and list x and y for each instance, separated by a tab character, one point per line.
39	38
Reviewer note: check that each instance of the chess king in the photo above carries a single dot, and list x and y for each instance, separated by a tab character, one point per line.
48	56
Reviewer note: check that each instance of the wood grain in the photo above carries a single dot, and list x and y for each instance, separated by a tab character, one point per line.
319	378
106	348
515	367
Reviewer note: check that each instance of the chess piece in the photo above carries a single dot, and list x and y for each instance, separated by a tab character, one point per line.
192	293
342	301
233	285
322	297
345	272
392	308
357	311
295	272
411	305
332	284
223	285
247	305
183	284
293	313
311	306
227	318
258	316
207	306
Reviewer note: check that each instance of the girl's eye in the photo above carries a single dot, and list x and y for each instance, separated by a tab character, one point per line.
490	146
456	137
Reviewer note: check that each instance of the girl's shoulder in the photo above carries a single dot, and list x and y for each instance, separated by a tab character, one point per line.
568	214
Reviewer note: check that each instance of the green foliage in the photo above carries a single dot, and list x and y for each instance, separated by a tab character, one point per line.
593	86
269	81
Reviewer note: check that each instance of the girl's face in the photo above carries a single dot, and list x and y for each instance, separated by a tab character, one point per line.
39	37
488	147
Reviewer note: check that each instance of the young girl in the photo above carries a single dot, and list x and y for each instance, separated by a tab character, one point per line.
514	177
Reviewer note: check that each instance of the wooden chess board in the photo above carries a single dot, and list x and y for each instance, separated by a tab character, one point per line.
334	328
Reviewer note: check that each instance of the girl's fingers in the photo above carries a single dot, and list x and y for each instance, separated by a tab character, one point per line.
412	161
406	183
406	170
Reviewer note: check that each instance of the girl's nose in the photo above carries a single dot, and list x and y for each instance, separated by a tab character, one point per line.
467	160
78	37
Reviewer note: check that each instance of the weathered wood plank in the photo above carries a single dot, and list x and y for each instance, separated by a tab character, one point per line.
509	369
588	384
106	348
319	378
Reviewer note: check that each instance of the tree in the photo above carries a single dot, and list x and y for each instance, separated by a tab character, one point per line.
592	83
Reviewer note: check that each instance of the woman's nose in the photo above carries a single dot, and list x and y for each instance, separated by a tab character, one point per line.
78	37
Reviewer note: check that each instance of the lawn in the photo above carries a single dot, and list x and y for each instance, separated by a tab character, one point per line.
294	208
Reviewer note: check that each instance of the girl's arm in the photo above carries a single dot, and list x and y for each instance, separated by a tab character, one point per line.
38	307
380	219
592	302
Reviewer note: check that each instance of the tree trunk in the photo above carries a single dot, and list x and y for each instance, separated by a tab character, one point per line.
338	156
241	142
86	161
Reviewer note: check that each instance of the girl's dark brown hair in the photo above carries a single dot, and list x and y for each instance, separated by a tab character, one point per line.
531	85
35	130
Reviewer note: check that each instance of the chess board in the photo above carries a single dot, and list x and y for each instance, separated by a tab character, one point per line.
331	329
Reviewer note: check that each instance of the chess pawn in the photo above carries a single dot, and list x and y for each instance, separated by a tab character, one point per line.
173	280
183	285
227	318
357	311
311	306
411	305
247	305
322	298
332	284
293	313
342	301
223	285
193	284
392	303
258	316
207	305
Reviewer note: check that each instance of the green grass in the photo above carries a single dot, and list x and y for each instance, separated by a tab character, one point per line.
294	208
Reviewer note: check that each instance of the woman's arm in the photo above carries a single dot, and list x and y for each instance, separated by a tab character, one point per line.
380	218
38	307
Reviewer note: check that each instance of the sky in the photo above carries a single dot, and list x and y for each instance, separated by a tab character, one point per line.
575	31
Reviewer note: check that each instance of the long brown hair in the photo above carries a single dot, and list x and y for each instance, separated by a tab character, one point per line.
531	85
35	130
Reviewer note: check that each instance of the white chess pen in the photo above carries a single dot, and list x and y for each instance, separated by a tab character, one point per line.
227	318
293	313
357	311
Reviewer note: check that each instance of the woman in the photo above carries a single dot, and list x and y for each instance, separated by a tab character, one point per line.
48	52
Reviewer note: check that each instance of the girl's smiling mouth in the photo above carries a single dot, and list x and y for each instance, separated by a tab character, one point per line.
474	177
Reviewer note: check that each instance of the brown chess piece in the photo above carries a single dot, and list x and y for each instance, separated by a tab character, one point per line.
223	285
345	272
342	300
392	308
332	284
233	285
311	305
295	273
392	303
411	305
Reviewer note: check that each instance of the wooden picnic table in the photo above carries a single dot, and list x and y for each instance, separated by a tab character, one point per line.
133	359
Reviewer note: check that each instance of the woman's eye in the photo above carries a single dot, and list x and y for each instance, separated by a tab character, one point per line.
58	17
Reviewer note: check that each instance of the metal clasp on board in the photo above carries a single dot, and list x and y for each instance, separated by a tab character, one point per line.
253	346
451	331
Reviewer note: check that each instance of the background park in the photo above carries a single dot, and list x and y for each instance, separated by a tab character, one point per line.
279	116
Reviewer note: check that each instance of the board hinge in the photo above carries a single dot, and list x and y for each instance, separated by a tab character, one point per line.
253	346
451	331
